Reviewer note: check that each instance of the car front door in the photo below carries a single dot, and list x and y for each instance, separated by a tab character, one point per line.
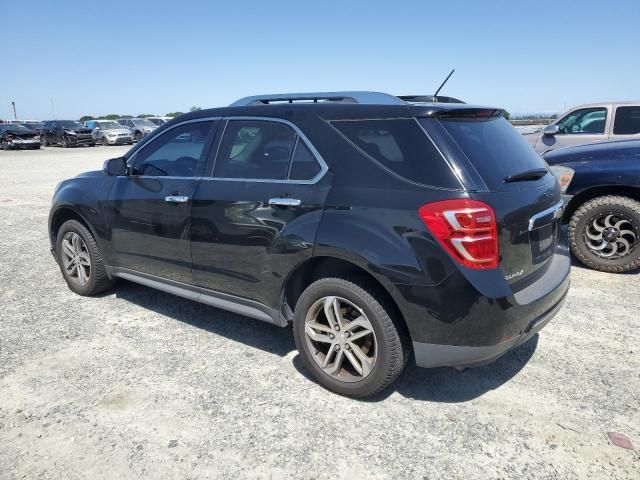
626	124
256	215
578	127
149	209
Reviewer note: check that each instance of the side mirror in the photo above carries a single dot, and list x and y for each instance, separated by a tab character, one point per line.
115	167
551	130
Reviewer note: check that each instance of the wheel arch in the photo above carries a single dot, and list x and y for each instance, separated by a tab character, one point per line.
325	266
62	214
600	191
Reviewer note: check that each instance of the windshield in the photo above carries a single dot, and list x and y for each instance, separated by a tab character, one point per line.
156	121
143	123
69	124
15	127
34	124
108	125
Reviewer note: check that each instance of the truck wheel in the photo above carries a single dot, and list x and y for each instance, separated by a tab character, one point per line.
604	234
347	337
80	260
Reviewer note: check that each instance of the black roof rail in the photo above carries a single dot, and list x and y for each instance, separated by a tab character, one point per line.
429	99
361	97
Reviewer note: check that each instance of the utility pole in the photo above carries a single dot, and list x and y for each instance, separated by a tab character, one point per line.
13	104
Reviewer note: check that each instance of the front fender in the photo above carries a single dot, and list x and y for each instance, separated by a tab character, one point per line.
82	197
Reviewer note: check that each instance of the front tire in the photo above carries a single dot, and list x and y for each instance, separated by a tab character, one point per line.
138	136
604	234
64	142
80	260
347	337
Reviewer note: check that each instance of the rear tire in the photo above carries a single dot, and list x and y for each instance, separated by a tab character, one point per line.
64	143
138	136
599	224
80	260
382	352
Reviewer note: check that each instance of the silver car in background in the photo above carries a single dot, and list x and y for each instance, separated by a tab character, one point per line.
140	127
592	123
159	121
109	132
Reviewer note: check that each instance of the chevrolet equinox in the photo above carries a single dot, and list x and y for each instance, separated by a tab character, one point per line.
380	228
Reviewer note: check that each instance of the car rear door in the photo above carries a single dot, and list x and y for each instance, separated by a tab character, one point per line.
148	211
626	123
255	215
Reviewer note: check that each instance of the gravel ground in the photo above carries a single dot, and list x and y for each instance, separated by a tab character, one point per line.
138	383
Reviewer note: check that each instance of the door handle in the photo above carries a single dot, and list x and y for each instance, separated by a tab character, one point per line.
176	199
284	202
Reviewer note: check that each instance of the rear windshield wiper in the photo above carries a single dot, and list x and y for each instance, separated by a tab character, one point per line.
533	174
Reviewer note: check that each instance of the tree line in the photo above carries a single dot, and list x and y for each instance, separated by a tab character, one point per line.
115	116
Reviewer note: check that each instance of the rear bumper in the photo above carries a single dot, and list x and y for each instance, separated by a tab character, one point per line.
430	355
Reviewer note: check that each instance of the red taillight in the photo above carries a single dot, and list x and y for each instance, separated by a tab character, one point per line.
466	228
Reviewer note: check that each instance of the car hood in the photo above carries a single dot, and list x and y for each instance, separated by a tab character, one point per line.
20	133
78	130
594	152
92	173
118	130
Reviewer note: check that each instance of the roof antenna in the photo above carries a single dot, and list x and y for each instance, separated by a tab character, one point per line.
445	81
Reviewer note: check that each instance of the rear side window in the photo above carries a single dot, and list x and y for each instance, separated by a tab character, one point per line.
303	164
264	150
400	145
627	121
495	148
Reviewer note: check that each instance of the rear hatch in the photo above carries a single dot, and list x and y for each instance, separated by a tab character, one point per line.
512	179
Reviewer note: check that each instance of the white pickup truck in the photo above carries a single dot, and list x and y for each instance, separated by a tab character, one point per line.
596	122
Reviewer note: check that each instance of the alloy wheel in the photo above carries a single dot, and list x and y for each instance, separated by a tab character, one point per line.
611	235
76	260
341	339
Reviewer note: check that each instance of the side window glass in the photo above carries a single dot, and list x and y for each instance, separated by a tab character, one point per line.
627	121
584	121
304	165
178	152
254	149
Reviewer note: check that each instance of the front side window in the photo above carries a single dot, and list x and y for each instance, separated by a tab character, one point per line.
178	152
584	121
627	121
255	150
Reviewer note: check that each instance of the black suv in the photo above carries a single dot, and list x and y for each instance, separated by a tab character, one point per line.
67	133
379	228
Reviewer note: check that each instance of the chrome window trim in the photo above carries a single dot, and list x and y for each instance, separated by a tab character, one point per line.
555	208
315	179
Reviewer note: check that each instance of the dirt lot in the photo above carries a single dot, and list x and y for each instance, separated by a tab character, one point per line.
138	383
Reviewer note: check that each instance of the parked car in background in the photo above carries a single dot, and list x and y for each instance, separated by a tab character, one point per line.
66	133
596	122
382	230
34	125
601	185
140	127
109	132
159	120
14	136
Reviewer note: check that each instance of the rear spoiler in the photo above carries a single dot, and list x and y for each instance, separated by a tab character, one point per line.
470	113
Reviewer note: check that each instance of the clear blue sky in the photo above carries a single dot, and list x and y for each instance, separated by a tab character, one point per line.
113	56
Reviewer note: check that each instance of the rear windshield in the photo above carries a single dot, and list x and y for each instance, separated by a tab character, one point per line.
495	148
400	145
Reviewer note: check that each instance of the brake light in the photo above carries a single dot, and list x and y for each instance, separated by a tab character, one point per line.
466	228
